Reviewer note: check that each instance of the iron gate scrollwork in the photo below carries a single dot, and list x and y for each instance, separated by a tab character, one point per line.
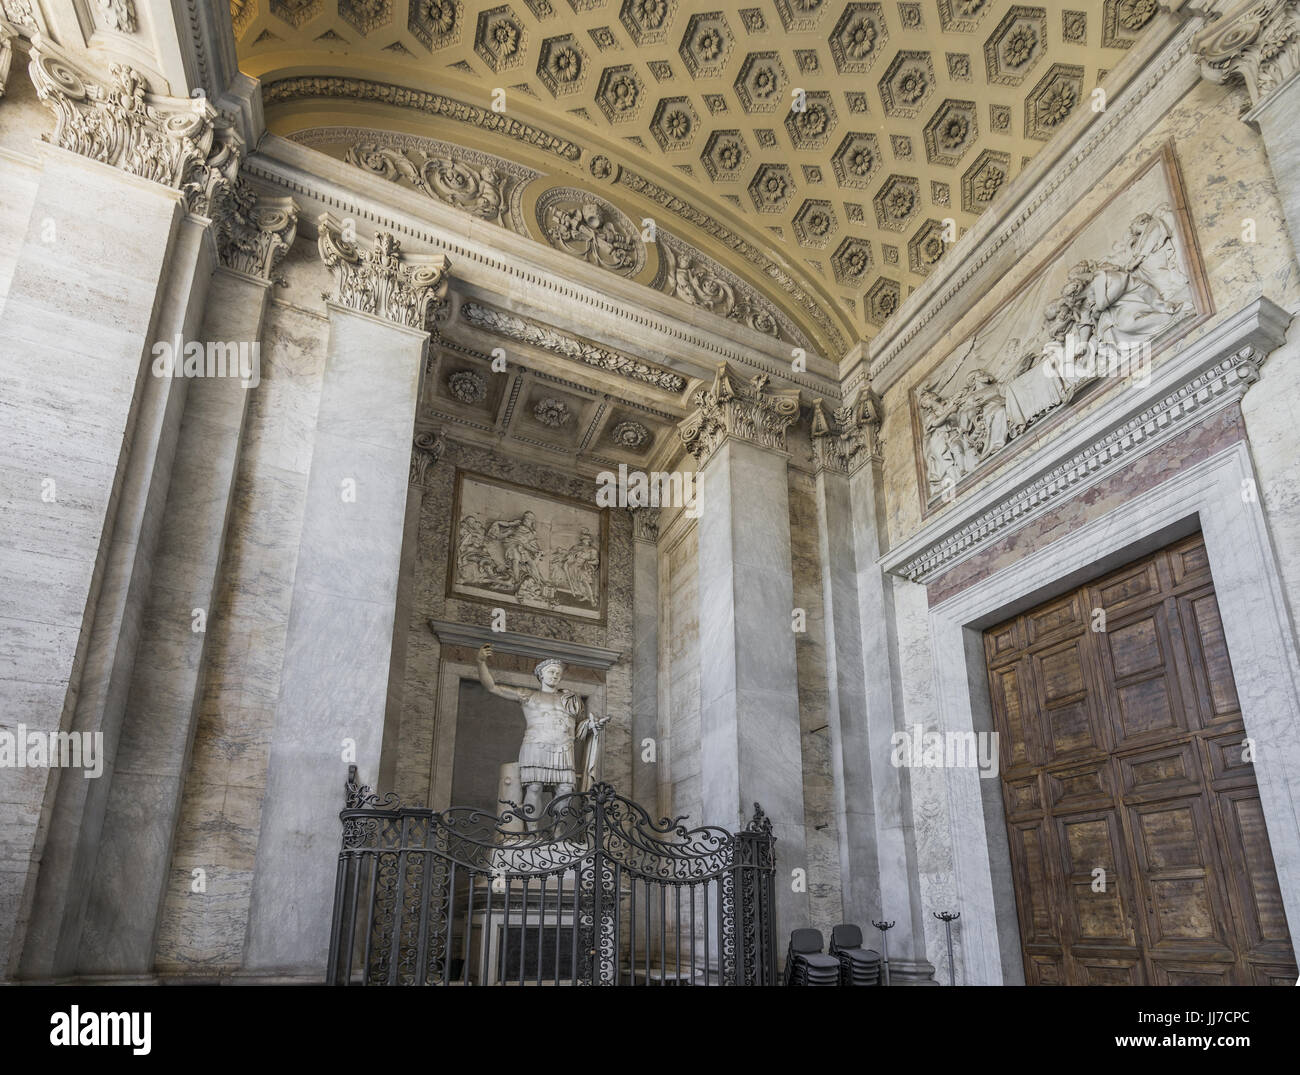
590	892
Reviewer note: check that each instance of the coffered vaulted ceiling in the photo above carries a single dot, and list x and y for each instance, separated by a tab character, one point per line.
810	225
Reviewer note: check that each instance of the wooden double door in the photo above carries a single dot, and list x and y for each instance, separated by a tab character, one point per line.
1138	844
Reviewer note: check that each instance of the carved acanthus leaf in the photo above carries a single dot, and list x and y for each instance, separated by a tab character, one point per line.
118	15
6	54
1258	44
181	142
846	438
645	524
408	290
732	407
253	235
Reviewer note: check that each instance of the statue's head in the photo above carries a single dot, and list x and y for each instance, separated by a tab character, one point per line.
549	672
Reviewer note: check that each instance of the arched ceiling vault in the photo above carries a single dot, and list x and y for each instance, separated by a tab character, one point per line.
804	161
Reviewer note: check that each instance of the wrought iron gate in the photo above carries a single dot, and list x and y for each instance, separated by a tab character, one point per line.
590	892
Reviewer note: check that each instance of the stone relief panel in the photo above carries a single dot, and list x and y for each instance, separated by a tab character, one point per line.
588	227
1125	283
514	546
480	184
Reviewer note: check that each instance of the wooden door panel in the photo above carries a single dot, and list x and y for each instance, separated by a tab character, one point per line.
1122	750
1097	906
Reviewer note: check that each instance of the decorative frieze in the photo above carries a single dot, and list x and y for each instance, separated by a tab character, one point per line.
845	439
732	407
1258	45
516	328
381	281
426	450
1215	386
181	142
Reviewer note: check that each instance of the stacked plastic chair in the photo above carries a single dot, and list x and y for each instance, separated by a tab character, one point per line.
856	965
805	963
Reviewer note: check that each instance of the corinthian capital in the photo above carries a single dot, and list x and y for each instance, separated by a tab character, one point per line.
410	290
1258	44
254	234
844	439
738	408
181	142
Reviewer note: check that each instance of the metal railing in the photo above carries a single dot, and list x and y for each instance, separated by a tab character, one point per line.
590	892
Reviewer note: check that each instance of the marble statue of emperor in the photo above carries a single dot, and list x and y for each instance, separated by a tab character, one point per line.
553	718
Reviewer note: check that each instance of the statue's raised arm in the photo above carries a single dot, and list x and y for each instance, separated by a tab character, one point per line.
515	694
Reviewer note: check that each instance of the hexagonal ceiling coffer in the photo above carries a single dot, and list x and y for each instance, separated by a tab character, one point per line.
962	16
760	86
881	300
647	21
706	45
815	223
1016	45
856	160
296	12
620	93
859	38
811	126
725	154
771	188
798	16
897	201
500	38
562	65
926	247
984	180
908	83
851	260
952	131
1050	102
674	124
435	22
366	15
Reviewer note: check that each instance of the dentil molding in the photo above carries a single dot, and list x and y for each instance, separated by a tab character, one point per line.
409	290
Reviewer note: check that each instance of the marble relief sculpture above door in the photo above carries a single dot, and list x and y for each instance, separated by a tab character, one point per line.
1126	283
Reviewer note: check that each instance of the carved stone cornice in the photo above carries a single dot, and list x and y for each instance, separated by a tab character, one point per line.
426	450
645	524
181	142
747	410
844	440
409	290
254	234
1258	45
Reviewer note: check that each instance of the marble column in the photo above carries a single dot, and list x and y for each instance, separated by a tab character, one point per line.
1255	45
899	897
106	267
344	629
131	869
750	745
844	441
645	655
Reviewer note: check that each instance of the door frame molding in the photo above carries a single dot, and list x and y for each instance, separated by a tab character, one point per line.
1207	496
